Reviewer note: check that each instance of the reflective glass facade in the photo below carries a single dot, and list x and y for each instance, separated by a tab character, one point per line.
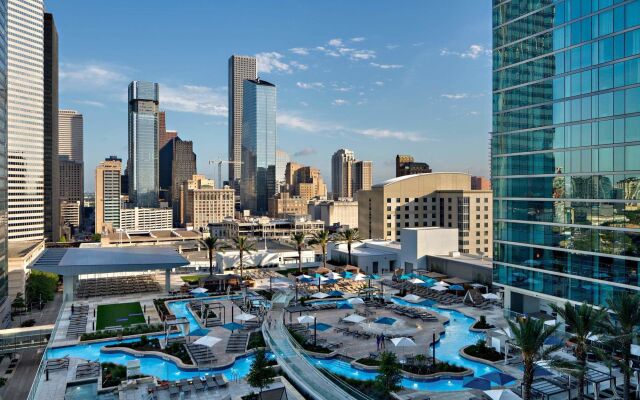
566	146
4	267
142	165
258	182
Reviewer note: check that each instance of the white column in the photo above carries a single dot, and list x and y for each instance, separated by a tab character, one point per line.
167	280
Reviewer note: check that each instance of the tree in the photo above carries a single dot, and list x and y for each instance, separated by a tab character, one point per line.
243	245
390	374
349	236
260	375
621	329
18	303
212	245
41	285
584	321
96	237
529	335
298	240
321	238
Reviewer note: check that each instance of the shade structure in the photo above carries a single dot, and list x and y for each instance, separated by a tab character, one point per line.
335	293
232	326
333	275
208	341
355	301
306	319
347	274
403	342
355	318
490	296
412	298
456	287
307	280
405	277
540	371
322	270
499	378
373	276
358	279
416	281
303	276
385	321
359	276
199	290
477	383
330	281
319	295
442	283
345	306
245	317
438	288
501	394
553	341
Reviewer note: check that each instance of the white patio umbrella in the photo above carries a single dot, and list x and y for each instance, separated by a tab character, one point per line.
245	317
403	342
412	298
208	342
416	281
355	318
438	288
333	275
199	290
355	301
502	394
322	279
306	319
442	283
490	296
303	276
319	295
358	277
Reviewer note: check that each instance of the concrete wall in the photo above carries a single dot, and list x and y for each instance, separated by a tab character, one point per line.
461	269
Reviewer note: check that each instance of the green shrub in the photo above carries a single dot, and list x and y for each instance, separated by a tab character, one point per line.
256	340
132	330
41	285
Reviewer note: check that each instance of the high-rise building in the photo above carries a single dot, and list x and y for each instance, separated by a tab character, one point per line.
177	165
362	171
282	158
258	181
142	165
70	135
72	185
164	135
145	219
108	195
202	204
50	124
564	150
341	173
437	199
5	303
304	181
480	183
241	68
25	103
406	165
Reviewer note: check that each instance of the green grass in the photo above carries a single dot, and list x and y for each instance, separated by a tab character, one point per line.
192	278
119	315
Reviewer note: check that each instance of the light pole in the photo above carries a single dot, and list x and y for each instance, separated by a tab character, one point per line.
434	348
315	329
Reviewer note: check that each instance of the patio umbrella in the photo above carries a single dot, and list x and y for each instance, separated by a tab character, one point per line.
373	276
442	283
307	280
456	287
333	275
208	341
438	288
335	293
405	277
232	326
477	383
501	394
356	300
539	371
403	342
416	281
490	296
317	275
355	318
499	378
385	321
412	298
303	276
319	295
359	276
306	319
330	281
347	274
245	317
345	306
199	290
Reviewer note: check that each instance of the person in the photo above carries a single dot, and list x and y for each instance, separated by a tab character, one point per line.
72	308
383	344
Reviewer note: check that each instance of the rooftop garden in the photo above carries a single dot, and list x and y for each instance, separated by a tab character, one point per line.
124	314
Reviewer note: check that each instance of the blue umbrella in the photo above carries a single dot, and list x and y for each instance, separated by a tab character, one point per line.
405	277
232	326
331	281
373	276
385	321
539	371
498	377
307	280
478	383
317	276
456	287
553	341
335	293
345	306
347	274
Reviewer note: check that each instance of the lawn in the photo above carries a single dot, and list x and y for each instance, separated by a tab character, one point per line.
119	315
192	278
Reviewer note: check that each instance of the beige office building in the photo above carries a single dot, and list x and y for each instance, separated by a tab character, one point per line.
341	170
108	195
202	204
361	174
304	181
334	213
284	204
435	199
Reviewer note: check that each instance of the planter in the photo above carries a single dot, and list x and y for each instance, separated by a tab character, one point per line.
156	354
429	377
496	364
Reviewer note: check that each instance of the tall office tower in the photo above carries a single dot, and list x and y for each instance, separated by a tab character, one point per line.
406	165
240	69
565	151
162	128
51	167
259	139
5	304
25	103
71	135
108	195
362	171
142	165
305	182
282	158
177	165
72	185
341	170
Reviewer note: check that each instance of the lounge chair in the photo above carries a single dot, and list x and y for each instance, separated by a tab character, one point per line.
211	382
220	380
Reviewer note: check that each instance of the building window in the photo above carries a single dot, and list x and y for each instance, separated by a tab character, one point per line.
388	200
406	199
449	224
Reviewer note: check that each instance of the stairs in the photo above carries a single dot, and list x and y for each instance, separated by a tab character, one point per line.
237	342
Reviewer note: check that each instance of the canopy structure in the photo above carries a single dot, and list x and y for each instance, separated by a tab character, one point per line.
208	341
547	388
435	275
355	318
319	295
199	290
306	319
456	281
72	262
412	298
355	301
439	288
502	394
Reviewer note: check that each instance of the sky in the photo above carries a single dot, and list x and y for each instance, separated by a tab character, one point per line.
381	77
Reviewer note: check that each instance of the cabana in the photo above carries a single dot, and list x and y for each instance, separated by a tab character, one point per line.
546	388
435	275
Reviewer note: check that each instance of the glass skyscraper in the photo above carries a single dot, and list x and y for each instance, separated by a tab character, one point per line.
142	166
5	317
566	150
258	182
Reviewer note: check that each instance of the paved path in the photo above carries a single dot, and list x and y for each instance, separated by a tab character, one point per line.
17	388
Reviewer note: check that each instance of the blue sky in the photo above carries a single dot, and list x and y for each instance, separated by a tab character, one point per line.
377	77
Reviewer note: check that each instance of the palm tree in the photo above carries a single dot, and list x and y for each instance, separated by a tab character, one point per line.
322	238
212	245
584	321
348	236
529	335
298	239
243	245
622	328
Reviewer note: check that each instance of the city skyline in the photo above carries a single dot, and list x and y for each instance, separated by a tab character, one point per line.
347	81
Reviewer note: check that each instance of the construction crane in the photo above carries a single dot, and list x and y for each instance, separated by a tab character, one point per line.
220	162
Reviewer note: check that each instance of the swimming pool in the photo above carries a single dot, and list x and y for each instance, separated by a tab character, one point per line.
456	336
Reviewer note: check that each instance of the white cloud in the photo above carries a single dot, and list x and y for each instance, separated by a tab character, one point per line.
473	52
194	99
310	85
362	54
301	51
307	151
335	42
89	75
339	102
292	121
455	96
378	83
389	134
473	113
271	62
298	65
418	44
392	46
358	39
386	66
92	103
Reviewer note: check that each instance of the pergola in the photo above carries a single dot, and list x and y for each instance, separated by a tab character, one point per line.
547	388
73	262
596	377
435	275
456	281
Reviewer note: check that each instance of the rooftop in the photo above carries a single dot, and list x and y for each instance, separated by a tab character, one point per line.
407	177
